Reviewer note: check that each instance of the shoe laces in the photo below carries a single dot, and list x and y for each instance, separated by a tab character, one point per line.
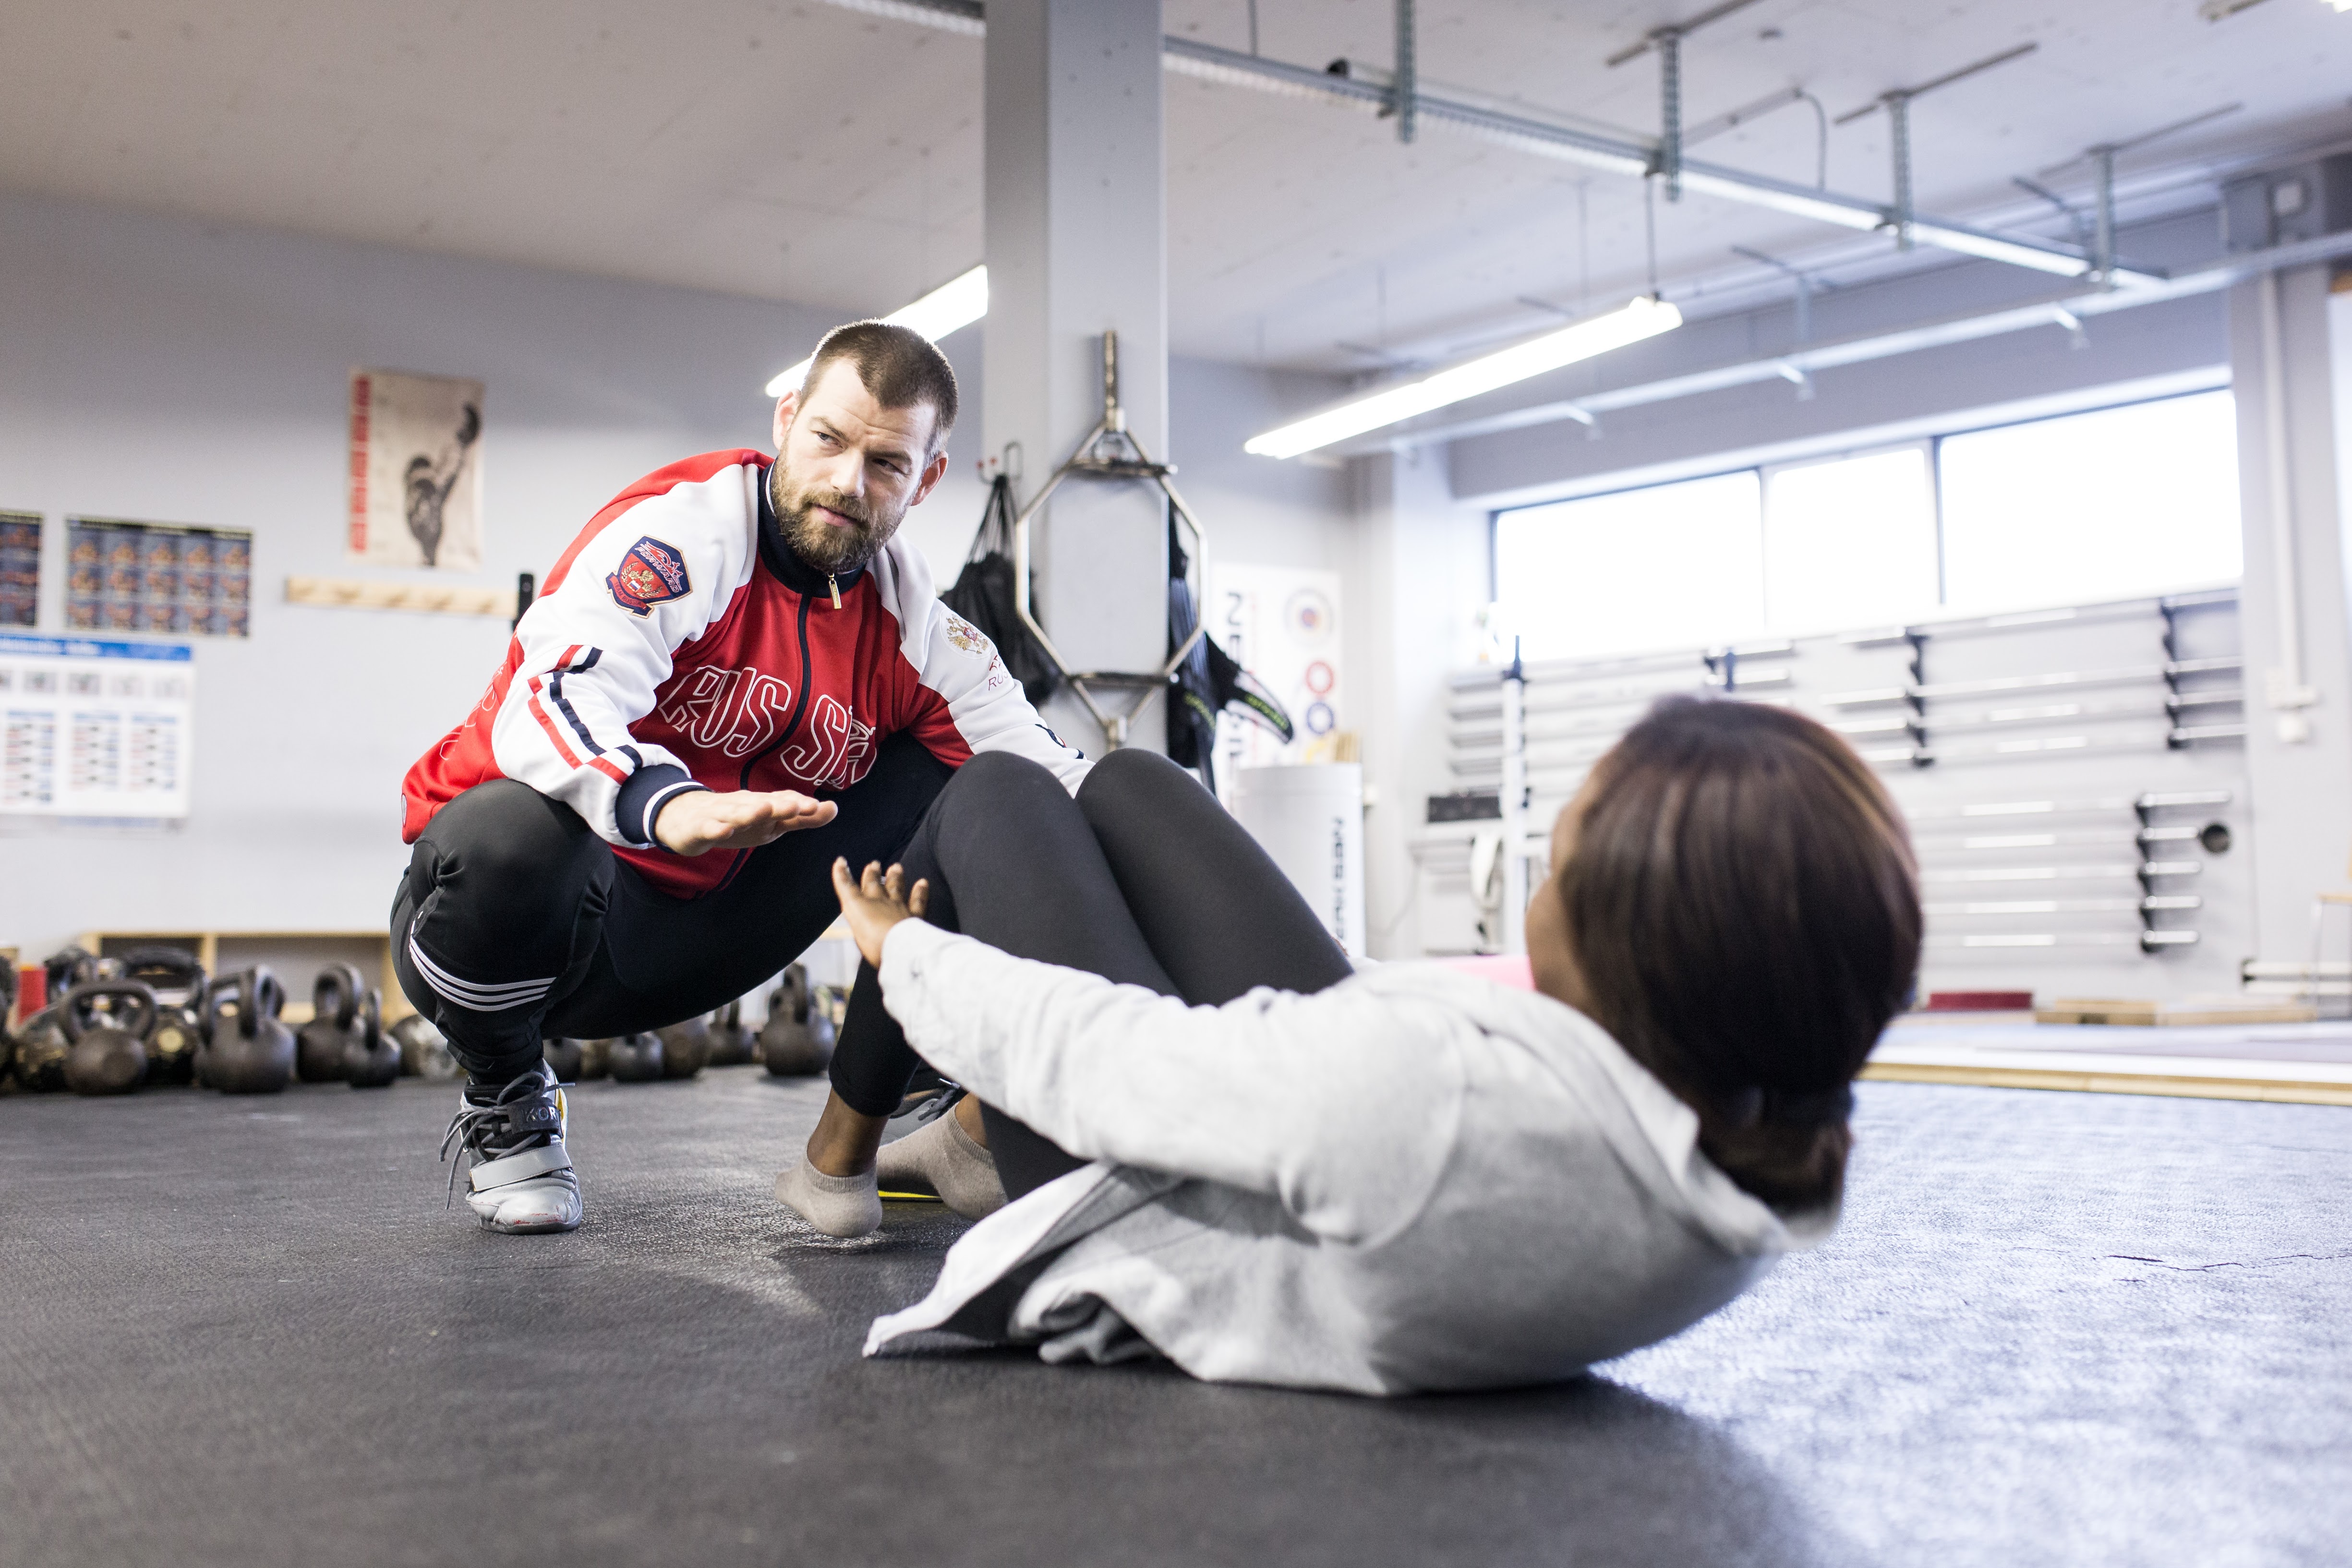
475	1128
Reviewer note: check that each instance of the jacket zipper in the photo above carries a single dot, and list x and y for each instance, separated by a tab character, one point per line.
834	583
799	709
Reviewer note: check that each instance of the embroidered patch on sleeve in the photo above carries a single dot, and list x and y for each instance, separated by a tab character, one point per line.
651	573
966	635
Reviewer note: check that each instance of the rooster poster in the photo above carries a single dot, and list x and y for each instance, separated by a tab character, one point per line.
416	471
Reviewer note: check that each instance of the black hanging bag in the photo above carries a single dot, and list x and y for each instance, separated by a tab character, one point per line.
1207	682
983	594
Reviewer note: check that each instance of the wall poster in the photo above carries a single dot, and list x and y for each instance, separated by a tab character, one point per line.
95	729
123	576
415	474
1282	624
20	568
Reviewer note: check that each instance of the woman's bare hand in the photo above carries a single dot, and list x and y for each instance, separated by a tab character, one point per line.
874	903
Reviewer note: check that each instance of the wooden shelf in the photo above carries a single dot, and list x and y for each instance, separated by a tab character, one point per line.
433	598
296	956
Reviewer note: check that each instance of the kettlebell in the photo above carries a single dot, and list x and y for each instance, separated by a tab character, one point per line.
563	1058
68	967
8	1038
731	1042
320	1044
370	1056
106	1050
798	1038
177	979
251	1051
686	1045
425	1050
595	1059
637	1058
41	1048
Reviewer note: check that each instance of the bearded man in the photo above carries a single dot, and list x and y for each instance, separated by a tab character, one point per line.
735	675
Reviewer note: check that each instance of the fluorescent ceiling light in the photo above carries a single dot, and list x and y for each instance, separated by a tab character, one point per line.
1822	208
1644	318
958	303
1992	248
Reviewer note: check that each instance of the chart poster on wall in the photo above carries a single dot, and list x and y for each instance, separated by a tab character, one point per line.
1282	624
93	729
126	577
416	471
20	568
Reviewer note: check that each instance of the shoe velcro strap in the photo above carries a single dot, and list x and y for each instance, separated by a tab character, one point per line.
536	1115
520	1167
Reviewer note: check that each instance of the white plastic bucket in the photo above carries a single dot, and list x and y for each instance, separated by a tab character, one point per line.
1310	819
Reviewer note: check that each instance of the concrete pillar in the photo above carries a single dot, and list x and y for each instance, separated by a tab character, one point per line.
2295	603
1077	242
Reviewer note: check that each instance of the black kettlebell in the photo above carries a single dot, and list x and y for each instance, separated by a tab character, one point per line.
563	1058
106	1023
320	1044
41	1046
686	1046
250	1050
595	1059
797	1039
730	1043
71	966
8	1010
370	1058
637	1058
425	1050
177	979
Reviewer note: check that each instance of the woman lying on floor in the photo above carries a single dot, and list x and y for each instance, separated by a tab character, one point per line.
1411	1179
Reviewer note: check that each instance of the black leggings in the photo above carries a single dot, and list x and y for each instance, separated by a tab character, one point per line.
533	927
1142	878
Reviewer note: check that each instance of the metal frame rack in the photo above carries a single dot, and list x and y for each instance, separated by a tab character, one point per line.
2118	793
1109	451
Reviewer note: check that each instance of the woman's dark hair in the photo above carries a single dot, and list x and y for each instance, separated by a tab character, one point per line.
1744	906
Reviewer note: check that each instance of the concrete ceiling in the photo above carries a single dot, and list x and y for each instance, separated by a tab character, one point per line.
804	152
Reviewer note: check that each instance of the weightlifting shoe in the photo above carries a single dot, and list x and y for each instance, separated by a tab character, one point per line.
519	1177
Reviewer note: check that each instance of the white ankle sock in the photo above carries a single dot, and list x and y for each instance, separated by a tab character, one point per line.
948	1160
838	1205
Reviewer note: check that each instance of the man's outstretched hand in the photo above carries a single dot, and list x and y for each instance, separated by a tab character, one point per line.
873	904
704	819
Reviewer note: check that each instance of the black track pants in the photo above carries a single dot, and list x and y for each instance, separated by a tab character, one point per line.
515	922
1142	878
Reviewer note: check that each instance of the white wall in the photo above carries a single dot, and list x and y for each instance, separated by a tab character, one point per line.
181	371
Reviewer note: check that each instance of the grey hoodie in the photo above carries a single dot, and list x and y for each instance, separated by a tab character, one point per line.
1416	1180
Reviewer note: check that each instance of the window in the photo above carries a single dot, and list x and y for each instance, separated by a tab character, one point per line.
2093	506
1668	566
1850	542
2119	502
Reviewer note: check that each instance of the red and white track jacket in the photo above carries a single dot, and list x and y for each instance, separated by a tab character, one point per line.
679	644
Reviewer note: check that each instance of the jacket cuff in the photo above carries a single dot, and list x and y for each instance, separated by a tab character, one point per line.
641	796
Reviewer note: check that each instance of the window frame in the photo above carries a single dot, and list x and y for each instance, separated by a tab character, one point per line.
1933	444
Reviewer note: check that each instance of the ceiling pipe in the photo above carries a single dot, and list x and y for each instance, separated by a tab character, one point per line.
1588	149
2063	309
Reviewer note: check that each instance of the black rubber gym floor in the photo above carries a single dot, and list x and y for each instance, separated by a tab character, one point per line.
2055	1328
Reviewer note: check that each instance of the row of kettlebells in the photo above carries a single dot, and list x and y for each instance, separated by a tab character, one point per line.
153	1016
796	1040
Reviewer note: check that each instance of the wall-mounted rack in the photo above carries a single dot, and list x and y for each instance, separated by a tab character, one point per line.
1110	452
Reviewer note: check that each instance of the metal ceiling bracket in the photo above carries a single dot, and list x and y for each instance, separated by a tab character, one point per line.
1405	88
1898	119
1109	451
2102	236
1669	113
